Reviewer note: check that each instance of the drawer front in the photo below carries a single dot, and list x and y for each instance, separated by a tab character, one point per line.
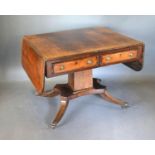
119	57
75	64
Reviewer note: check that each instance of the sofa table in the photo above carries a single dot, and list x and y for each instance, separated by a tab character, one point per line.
76	53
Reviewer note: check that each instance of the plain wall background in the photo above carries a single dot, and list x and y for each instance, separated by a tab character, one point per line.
13	28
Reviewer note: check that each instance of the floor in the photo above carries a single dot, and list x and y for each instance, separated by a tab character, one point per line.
26	116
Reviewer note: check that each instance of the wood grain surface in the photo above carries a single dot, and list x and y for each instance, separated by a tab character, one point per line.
80	80
75	42
34	67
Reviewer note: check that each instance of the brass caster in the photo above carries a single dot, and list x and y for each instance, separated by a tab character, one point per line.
125	105
52	125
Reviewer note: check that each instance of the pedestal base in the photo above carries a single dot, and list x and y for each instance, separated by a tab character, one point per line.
67	93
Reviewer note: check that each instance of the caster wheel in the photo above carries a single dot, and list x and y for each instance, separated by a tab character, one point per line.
125	105
52	126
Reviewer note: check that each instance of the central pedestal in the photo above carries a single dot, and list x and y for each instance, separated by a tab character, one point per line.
79	84
80	80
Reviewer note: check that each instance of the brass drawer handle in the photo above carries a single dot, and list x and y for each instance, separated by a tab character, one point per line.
89	61
130	55
108	58
62	67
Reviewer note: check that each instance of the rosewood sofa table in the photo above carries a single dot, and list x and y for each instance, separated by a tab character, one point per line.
76	53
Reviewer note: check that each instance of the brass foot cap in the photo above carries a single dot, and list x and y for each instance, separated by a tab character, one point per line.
52	125
125	105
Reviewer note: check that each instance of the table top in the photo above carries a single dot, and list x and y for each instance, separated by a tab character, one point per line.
56	45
